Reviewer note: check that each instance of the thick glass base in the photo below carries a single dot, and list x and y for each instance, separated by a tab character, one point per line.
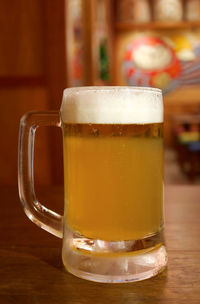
114	262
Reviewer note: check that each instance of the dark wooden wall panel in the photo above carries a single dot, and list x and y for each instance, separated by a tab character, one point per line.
22	38
32	77
13	104
56	76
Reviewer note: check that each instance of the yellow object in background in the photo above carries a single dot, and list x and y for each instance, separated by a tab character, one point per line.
187	137
183	47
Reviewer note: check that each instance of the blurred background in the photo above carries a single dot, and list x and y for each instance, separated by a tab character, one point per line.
46	46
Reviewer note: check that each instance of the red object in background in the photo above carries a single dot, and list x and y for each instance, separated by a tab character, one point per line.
151	61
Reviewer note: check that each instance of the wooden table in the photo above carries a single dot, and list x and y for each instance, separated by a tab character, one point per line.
31	270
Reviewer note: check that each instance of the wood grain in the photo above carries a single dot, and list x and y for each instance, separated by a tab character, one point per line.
32	271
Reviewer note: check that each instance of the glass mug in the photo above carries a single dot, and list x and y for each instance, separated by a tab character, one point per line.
112	227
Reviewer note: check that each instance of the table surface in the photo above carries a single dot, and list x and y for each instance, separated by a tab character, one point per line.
31	269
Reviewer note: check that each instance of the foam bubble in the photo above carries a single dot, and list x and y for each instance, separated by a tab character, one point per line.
112	105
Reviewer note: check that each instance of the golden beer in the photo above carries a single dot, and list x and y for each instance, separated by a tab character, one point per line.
113	180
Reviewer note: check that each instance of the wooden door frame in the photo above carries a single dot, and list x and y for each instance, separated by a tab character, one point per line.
56	76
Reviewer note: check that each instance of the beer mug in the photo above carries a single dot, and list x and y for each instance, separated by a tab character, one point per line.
112	227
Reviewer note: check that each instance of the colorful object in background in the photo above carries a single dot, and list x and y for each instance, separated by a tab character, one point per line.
187	48
75	44
183	47
102	44
103	61
187	128
165	62
150	61
77	62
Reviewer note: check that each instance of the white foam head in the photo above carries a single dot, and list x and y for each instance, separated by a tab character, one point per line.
112	105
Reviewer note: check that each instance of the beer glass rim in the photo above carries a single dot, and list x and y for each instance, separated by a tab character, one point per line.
111	88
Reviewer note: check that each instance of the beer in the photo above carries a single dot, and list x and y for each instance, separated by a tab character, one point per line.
113	163
114	180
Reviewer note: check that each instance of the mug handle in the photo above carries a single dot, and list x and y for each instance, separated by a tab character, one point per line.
36	212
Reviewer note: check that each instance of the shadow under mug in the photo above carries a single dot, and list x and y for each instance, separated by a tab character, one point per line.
112	227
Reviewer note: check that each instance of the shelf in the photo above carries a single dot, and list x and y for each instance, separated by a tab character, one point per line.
125	26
